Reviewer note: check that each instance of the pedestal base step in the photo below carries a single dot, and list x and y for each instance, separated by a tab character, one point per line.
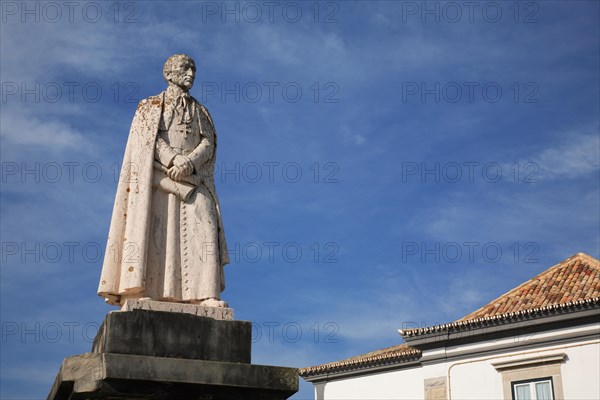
120	376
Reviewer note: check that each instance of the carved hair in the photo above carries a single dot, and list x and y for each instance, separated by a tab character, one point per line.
172	61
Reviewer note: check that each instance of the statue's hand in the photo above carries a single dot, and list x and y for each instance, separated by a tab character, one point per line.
176	173
184	165
173	173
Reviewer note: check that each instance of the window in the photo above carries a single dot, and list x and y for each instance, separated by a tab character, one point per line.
538	389
532	378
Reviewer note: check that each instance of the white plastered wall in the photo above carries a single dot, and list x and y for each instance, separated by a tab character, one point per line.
476	377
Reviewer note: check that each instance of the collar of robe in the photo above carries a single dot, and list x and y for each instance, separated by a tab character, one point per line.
184	104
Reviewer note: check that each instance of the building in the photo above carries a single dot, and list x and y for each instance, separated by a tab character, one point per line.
539	341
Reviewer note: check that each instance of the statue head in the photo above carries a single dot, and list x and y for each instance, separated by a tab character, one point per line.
180	70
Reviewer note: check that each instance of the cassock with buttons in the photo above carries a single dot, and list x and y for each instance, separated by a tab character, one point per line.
166	240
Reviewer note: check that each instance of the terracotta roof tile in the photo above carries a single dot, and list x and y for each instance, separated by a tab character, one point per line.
574	279
570	283
400	352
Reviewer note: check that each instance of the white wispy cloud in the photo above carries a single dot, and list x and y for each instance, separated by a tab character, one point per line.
52	135
104	48
576	154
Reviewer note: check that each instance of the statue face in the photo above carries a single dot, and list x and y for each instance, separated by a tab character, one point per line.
183	74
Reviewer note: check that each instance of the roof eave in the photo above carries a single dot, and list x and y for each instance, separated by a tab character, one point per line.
487	328
361	368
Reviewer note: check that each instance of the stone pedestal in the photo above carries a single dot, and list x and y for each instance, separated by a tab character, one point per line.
194	309
148	354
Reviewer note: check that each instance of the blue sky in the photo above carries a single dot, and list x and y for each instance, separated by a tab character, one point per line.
380	164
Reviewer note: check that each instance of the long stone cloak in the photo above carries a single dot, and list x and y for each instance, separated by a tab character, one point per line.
124	267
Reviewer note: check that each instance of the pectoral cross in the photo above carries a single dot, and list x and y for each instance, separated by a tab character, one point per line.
184	128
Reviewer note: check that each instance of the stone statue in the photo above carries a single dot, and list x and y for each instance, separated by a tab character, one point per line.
166	239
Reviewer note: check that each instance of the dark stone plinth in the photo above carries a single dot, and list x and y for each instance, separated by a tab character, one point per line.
178	335
120	376
159	355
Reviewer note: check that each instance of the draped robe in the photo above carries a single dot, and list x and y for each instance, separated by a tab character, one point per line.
163	245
